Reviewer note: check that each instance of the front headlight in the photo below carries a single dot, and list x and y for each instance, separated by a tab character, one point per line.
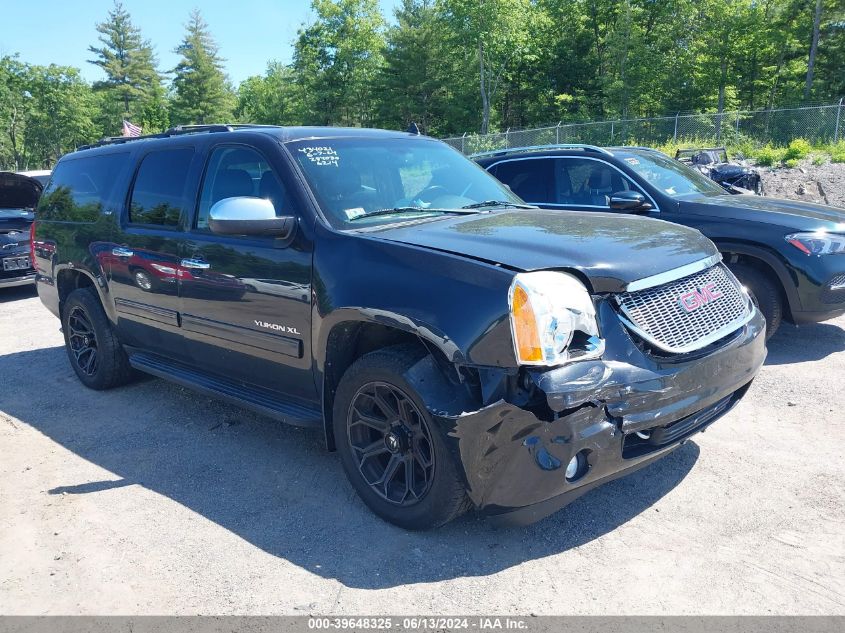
553	319
820	243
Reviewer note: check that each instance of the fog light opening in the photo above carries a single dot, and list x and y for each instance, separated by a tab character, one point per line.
644	435
577	466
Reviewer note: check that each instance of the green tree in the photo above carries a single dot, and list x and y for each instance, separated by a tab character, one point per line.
45	111
15	106
132	81
337	60
63	113
271	99
829	82
201	93
422	79
497	32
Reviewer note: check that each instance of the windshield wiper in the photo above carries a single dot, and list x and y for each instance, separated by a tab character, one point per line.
398	210
497	203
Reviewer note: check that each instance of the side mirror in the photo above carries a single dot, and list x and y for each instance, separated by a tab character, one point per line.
629	201
249	216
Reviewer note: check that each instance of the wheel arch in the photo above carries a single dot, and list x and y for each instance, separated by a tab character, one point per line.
353	334
769	263
69	279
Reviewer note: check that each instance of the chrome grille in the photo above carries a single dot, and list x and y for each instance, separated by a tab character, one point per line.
660	317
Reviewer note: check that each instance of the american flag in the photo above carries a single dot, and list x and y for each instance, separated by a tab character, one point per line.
130	129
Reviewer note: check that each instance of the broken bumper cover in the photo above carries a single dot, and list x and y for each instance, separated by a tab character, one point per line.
515	460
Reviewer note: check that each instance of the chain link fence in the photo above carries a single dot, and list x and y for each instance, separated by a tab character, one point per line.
817	124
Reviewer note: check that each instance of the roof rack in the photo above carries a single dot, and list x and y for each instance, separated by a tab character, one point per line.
176	131
532	148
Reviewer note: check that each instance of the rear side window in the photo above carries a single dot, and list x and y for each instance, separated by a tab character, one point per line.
588	183
160	193
81	188
530	179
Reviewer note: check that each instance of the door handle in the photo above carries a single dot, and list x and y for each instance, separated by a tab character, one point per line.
195	263
122	252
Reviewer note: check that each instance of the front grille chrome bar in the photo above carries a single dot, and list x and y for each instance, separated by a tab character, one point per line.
675	273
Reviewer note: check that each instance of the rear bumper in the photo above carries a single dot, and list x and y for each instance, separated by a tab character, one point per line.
27	278
515	457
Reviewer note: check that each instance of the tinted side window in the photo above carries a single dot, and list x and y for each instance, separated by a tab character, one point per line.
530	179
80	188
160	195
583	182
238	172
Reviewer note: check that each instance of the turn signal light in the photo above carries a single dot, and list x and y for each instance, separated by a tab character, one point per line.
525	327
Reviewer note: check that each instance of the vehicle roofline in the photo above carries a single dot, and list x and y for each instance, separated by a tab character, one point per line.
564	149
535	148
284	133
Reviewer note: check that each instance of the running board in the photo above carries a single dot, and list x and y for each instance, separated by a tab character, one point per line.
257	399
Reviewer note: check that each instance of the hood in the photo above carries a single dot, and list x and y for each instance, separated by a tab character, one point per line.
791	214
18	191
611	250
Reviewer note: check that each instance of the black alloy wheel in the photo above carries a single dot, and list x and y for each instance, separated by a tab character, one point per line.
92	346
391	443
82	341
397	456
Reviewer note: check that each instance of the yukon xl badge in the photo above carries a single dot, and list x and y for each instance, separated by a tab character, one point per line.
691	301
278	328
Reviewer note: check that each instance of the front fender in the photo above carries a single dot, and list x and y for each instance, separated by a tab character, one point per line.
785	272
457	304
387	318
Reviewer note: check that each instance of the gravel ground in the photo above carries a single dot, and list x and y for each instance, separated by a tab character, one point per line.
152	500
824	184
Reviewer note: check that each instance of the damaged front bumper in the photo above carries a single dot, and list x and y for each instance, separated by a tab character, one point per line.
616	414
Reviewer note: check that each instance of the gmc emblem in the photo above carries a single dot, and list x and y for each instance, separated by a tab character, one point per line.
692	301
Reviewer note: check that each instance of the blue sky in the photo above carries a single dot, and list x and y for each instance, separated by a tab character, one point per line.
249	32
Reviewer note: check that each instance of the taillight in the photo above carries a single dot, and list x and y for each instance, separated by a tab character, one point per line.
32	244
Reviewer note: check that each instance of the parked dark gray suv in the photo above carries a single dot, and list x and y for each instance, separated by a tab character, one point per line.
789	254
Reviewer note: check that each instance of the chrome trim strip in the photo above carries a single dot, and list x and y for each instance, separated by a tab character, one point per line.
700	343
532	148
674	274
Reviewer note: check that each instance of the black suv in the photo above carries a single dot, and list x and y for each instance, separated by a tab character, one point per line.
784	252
455	347
18	196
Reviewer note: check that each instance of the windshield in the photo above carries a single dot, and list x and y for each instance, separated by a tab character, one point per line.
671	176
362	182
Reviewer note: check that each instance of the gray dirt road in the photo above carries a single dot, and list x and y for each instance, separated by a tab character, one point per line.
152	500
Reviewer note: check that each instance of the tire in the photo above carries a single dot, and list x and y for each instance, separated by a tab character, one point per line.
437	493
93	349
765	293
